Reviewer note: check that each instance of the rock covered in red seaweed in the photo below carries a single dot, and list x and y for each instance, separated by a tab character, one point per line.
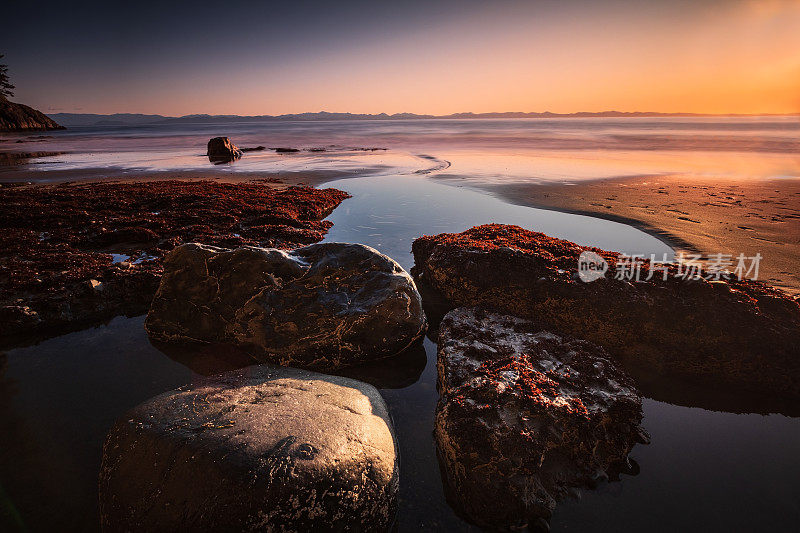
321	307
76	254
737	333
525	416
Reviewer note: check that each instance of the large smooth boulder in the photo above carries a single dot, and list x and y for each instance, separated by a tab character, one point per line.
526	416
320	307
740	334
259	449
222	150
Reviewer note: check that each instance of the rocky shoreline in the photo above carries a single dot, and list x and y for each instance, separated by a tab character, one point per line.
536	398
19	117
726	332
73	255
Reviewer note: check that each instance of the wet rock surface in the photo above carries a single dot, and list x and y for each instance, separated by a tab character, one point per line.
76	254
259	449
222	150
321	307
729	333
526	416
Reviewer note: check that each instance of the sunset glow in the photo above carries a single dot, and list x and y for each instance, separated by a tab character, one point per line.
702	57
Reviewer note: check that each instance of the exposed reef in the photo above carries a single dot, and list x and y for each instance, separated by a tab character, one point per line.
76	254
728	332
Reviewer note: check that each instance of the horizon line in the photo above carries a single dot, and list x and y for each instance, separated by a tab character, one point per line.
461	114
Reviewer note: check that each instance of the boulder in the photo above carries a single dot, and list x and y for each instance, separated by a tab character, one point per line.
258	449
222	150
526	416
320	307
739	334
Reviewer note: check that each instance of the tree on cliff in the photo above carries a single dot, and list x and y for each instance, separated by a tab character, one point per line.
6	89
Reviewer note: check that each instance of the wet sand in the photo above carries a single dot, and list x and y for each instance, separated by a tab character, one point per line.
692	214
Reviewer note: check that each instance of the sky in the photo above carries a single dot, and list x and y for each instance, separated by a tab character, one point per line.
428	57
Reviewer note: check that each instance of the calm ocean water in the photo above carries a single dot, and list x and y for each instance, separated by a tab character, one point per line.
717	461
502	150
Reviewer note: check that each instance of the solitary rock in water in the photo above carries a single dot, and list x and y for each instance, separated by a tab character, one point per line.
222	150
741	334
259	449
525	416
321	307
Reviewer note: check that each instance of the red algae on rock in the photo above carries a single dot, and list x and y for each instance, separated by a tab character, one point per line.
731	332
75	254
526	416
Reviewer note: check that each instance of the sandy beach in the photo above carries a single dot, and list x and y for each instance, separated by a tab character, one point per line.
693	215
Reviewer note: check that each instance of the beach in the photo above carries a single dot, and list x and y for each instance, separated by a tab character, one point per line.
419	266
573	180
709	217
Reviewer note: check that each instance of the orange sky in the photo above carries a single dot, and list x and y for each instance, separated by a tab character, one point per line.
703	56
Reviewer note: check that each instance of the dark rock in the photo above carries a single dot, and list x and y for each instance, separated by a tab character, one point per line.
525	417
286	150
254	149
322	307
19	117
121	238
222	150
259	449
744	337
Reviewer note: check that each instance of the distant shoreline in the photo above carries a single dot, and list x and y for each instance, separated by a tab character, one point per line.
135	119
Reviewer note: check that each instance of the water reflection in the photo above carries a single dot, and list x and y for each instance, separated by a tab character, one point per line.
718	471
398	372
395	372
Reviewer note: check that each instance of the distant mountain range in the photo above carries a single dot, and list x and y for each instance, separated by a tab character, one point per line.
134	119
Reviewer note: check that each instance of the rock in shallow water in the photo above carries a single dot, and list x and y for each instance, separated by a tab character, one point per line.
322	307
740	334
260	449
525	416
222	150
